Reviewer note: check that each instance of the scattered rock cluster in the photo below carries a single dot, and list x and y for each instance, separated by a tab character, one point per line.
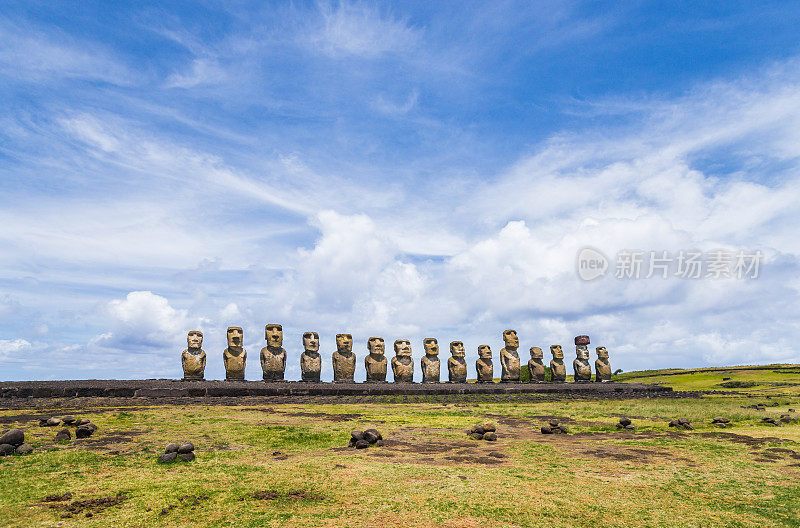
625	423
681	423
553	427
83	427
756	406
13	442
774	421
719	421
174	451
485	431
366	438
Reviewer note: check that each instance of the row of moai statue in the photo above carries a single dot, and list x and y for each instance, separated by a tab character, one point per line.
273	359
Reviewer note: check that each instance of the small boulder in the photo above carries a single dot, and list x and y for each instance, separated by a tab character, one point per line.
489	428
546	429
476	436
630	427
355	436
52	422
24	449
15	437
171	448
63	436
563	429
379	443
362	444
553	423
82	421
6	449
91	426
624	422
477	429
720	419
186	447
83	431
68	420
186	457
166	458
491	436
371	435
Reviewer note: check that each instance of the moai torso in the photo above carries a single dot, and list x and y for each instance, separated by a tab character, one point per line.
376	362
430	361
484	365
509	357
344	360
582	369
235	356
558	372
536	366
457	364
402	365
193	359
273	356
310	365
602	367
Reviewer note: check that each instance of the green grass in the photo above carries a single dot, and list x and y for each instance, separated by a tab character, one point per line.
433	475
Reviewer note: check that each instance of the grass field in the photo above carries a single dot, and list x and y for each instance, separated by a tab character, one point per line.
429	473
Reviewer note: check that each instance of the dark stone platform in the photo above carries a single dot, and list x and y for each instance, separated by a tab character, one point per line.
162	388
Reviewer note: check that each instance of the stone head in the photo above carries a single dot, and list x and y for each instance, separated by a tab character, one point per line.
194	339
581	340
376	346
602	353
402	348
556	351
273	333
311	341
582	352
344	342
235	336
485	352
510	339
536	353
431	346
457	349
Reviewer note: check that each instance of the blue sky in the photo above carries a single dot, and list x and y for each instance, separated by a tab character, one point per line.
405	170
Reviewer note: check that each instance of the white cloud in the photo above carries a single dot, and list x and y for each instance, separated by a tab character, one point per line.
143	318
14	349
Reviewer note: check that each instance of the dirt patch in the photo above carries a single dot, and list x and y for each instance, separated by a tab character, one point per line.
485	460
750	441
21	418
343	417
526	421
57	498
298	495
89	507
112	438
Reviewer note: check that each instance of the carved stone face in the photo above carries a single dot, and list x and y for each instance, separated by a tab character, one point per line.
376	346
194	339
273	333
431	346
457	349
510	338
602	353
344	342
402	348
556	351
311	341
485	352
582	352
235	336
536	353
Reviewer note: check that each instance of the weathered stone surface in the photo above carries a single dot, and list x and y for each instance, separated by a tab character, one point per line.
14	437
186	447
602	367
476	436
273	356
581	368
53	421
186	457
376	362
171	448
82	421
490	436
166	458
310	359
509	358
68	420
546	429
484	365
430	361
193	359
488	427
456	364
720	419
402	365
536	367
235	356
372	436
24	449
624	421
84	431
477	428
558	372
7	449
63	436
344	360
362	444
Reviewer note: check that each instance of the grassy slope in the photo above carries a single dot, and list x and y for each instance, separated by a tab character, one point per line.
595	476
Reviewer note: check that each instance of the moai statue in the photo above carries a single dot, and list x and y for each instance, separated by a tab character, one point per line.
558	372
484	364
456	364
509	358
235	356
535	365
376	362
310	360
193	358
602	368
583	371
344	360
402	365
273	356
430	361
